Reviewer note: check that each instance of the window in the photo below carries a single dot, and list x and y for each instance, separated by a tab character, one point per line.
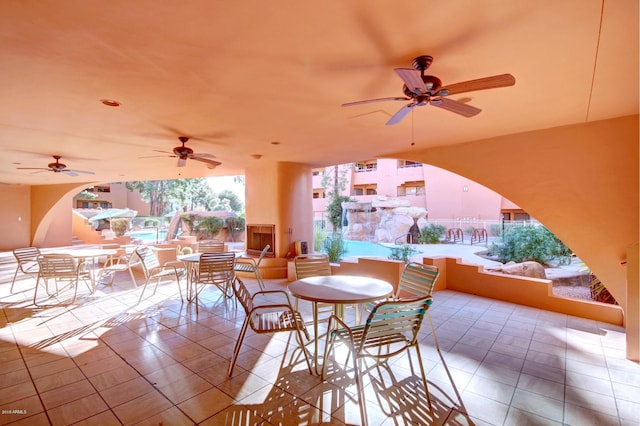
317	172
318	193
366	166
370	189
410	189
408	163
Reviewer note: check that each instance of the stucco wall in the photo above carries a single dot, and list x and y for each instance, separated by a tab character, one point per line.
15	216
581	181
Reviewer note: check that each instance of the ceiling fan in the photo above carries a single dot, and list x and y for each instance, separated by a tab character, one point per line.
423	89
56	167
184	153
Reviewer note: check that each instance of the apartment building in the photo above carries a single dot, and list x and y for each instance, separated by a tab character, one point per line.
446	196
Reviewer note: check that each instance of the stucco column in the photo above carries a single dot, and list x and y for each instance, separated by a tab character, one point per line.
633	304
281	194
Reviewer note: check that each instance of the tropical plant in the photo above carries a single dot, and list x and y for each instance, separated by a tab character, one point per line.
334	247
319	237
401	253
204	227
335	183
432	234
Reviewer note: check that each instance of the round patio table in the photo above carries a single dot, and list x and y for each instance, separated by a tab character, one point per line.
337	290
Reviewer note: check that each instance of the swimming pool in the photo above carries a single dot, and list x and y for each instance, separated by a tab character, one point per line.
149	236
366	248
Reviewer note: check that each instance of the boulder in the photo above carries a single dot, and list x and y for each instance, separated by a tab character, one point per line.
524	269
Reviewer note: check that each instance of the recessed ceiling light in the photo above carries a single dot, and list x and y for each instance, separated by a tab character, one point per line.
110	102
256	156
275	143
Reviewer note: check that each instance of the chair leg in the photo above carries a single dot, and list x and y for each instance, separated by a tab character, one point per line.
259	278
361	400
236	349
433	331
424	376
15	275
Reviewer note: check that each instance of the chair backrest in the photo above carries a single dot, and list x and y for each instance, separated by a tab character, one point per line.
57	266
26	256
148	259
417	280
243	295
262	254
216	263
396	323
312	265
210	246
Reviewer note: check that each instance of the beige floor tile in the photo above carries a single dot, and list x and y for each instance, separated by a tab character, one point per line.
126	391
17	392
39	419
67	393
172	416
106	418
184	388
206	404
77	410
63	378
21	410
142	407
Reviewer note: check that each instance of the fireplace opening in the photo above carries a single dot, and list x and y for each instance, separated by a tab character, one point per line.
258	236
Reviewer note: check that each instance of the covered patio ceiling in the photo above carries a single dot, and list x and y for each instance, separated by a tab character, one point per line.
263	81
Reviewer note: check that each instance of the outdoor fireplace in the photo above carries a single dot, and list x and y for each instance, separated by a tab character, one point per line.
258	236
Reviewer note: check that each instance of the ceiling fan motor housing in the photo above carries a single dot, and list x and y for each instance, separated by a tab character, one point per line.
432	83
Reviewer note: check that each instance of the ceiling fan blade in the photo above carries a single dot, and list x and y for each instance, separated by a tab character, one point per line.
182	162
32	168
369	101
71	173
464	110
412	79
164	152
493	82
195	156
398	116
84	172
211	164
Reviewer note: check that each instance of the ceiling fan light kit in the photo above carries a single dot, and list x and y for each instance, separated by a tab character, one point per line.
421	90
184	153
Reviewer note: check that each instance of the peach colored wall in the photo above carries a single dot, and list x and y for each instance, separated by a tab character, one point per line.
281	194
448	200
15	217
50	218
633	306
581	181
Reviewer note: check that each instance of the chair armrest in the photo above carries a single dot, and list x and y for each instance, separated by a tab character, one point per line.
331	327
267	292
174	264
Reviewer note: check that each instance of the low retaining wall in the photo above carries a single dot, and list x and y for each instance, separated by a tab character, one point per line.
473	279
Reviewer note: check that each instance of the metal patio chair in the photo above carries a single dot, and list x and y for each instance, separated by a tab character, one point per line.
391	328
153	270
265	316
249	264
27	259
62	269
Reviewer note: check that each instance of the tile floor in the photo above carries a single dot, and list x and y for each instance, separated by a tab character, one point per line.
106	361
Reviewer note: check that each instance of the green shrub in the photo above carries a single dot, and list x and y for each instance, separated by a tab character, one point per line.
401	253
432	234
523	243
334	247
119	226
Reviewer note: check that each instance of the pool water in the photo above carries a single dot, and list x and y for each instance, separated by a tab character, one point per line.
149	236
366	248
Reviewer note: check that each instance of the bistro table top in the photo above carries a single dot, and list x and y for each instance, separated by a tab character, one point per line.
340	289
87	252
